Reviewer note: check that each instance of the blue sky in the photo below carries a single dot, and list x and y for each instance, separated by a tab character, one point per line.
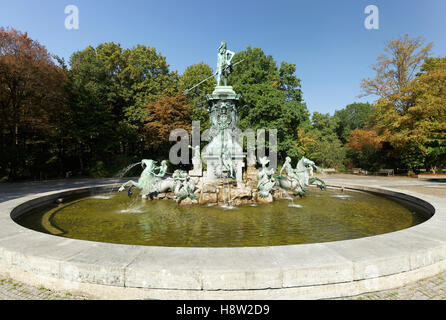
326	39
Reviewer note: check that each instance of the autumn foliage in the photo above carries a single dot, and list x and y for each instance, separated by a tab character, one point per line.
164	115
110	106
31	97
418	133
410	117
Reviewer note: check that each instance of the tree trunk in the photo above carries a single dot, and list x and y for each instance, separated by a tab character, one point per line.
81	162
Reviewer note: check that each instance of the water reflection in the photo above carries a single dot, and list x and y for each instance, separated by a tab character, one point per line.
321	216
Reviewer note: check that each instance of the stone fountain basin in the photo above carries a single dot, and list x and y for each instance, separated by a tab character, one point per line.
307	271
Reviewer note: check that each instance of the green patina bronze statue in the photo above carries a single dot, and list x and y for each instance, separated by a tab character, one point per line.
265	179
224	65
299	178
153	181
224	156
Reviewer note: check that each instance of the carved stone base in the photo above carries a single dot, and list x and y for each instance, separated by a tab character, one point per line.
251	177
227	191
266	200
197	170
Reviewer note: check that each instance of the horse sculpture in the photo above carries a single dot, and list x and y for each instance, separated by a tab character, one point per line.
299	178
152	181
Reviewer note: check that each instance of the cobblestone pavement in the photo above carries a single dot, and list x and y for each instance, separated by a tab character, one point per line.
13	290
433	288
427	289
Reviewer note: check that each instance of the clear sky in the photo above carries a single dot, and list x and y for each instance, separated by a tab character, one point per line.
326	39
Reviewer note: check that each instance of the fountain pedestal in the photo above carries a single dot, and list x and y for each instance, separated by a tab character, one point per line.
224	157
197	170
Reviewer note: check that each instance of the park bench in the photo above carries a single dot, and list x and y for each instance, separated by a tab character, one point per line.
329	170
388	172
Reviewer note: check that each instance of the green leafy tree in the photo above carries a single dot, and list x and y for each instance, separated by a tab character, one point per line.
271	98
323	145
193	75
354	116
90	123
110	88
146	77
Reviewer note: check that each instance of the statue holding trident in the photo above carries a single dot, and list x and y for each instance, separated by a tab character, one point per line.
224	157
224	66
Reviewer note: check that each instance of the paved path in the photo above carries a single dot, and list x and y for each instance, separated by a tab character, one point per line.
13	290
428	289
431	288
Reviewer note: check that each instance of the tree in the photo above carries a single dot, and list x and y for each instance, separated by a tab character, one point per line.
146	77
354	116
164	115
320	143
193	75
289	83
397	68
110	88
31	102
365	148
271	98
418	133
90	122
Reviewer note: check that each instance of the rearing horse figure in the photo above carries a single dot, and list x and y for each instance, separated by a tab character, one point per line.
299	178
147	179
152	181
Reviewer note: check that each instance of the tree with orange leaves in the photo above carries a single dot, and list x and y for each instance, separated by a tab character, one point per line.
365	147
165	114
31	98
418	133
396	68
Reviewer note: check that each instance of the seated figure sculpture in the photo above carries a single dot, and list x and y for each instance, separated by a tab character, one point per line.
184	186
265	179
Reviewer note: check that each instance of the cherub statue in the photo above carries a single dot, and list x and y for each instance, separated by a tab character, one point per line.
196	150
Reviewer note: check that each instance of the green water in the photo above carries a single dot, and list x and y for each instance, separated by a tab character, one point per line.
320	217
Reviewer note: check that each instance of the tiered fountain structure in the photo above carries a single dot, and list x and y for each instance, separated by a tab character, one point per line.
231	177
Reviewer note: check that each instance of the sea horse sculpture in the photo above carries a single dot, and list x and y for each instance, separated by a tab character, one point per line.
146	181
152	181
299	178
265	179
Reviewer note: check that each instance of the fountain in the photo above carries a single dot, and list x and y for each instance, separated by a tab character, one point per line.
194	246
198	207
225	181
